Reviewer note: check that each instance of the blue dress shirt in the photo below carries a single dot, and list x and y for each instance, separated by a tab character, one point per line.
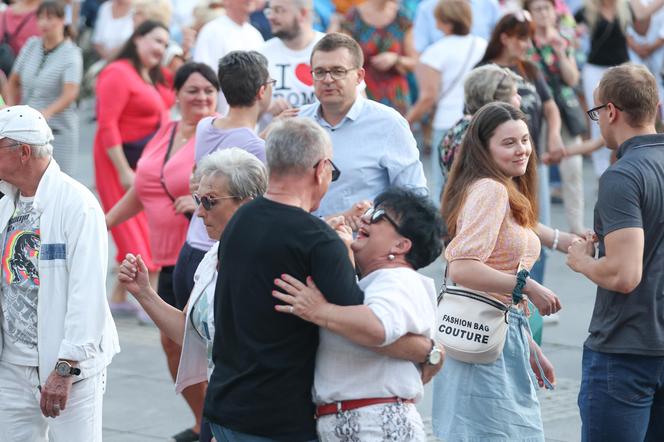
374	149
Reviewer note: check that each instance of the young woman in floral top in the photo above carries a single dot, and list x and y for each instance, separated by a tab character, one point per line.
555	57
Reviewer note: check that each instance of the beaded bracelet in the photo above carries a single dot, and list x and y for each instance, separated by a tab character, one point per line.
517	293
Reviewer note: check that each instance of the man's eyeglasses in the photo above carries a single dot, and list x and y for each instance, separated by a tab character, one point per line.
337	73
374	215
271	81
209	202
336	173
594	112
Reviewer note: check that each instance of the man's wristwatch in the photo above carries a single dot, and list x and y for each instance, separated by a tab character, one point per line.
435	355
65	369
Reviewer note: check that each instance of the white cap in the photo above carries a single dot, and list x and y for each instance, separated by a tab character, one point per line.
24	124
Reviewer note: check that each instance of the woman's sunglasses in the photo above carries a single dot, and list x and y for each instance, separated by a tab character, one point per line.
209	202
375	215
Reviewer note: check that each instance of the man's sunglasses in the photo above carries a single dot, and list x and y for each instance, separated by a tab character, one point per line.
336	173
209	202
375	215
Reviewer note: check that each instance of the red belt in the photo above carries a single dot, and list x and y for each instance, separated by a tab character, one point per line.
337	407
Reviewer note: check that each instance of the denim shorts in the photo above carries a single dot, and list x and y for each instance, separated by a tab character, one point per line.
490	402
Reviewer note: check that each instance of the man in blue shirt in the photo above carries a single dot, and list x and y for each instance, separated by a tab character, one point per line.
425	30
372	143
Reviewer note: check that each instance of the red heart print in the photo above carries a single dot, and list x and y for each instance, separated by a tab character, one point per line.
303	73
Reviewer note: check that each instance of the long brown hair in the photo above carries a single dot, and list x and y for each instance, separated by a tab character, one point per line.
514	24
474	161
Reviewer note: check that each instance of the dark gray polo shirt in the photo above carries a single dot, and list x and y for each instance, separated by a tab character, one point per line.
631	194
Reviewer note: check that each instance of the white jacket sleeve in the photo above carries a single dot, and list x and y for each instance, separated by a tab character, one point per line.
87	260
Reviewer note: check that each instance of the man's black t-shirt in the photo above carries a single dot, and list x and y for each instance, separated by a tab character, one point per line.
264	360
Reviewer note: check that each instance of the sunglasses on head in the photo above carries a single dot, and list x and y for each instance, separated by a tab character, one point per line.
209	202
374	215
336	173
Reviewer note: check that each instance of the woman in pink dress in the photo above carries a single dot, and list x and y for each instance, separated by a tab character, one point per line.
133	97
161	192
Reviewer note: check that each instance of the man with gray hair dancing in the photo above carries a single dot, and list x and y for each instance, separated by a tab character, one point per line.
264	360
57	335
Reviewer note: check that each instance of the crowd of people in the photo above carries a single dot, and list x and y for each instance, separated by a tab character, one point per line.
258	166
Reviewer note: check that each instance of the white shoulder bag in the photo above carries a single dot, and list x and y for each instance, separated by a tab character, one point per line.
472	325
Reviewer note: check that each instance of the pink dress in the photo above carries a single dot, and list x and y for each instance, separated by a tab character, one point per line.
128	109
487	231
168	229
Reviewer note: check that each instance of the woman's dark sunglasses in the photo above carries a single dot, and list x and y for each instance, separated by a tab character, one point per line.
336	173
375	215
209	202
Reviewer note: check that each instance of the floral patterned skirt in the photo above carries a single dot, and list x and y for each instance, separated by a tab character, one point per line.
381	422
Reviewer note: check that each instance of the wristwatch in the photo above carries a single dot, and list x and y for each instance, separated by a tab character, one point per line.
65	369
435	354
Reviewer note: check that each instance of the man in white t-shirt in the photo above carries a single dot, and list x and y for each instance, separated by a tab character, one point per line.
288	53
229	32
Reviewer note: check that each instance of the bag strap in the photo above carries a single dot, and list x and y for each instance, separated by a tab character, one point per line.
444	93
552	78
166	158
8	37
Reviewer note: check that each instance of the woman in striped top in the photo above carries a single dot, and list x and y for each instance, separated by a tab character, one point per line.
46	76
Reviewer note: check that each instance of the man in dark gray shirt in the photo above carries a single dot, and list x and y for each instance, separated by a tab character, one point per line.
622	388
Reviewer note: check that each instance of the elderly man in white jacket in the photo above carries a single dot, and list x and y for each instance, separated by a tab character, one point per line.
57	334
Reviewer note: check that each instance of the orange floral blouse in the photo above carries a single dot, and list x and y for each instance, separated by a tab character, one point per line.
487	231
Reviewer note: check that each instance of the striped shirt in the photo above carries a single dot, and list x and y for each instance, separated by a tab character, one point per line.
43	75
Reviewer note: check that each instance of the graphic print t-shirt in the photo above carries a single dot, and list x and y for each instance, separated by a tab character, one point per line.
292	71
20	285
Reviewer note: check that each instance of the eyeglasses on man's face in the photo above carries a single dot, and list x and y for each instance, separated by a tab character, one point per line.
271	81
208	202
336	173
594	112
337	73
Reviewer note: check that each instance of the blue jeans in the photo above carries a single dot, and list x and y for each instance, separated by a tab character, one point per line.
223	434
621	397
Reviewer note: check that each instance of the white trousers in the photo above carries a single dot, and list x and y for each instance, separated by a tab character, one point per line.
21	418
375	423
592	74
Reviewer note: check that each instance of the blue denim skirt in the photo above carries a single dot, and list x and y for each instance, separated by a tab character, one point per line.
490	402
